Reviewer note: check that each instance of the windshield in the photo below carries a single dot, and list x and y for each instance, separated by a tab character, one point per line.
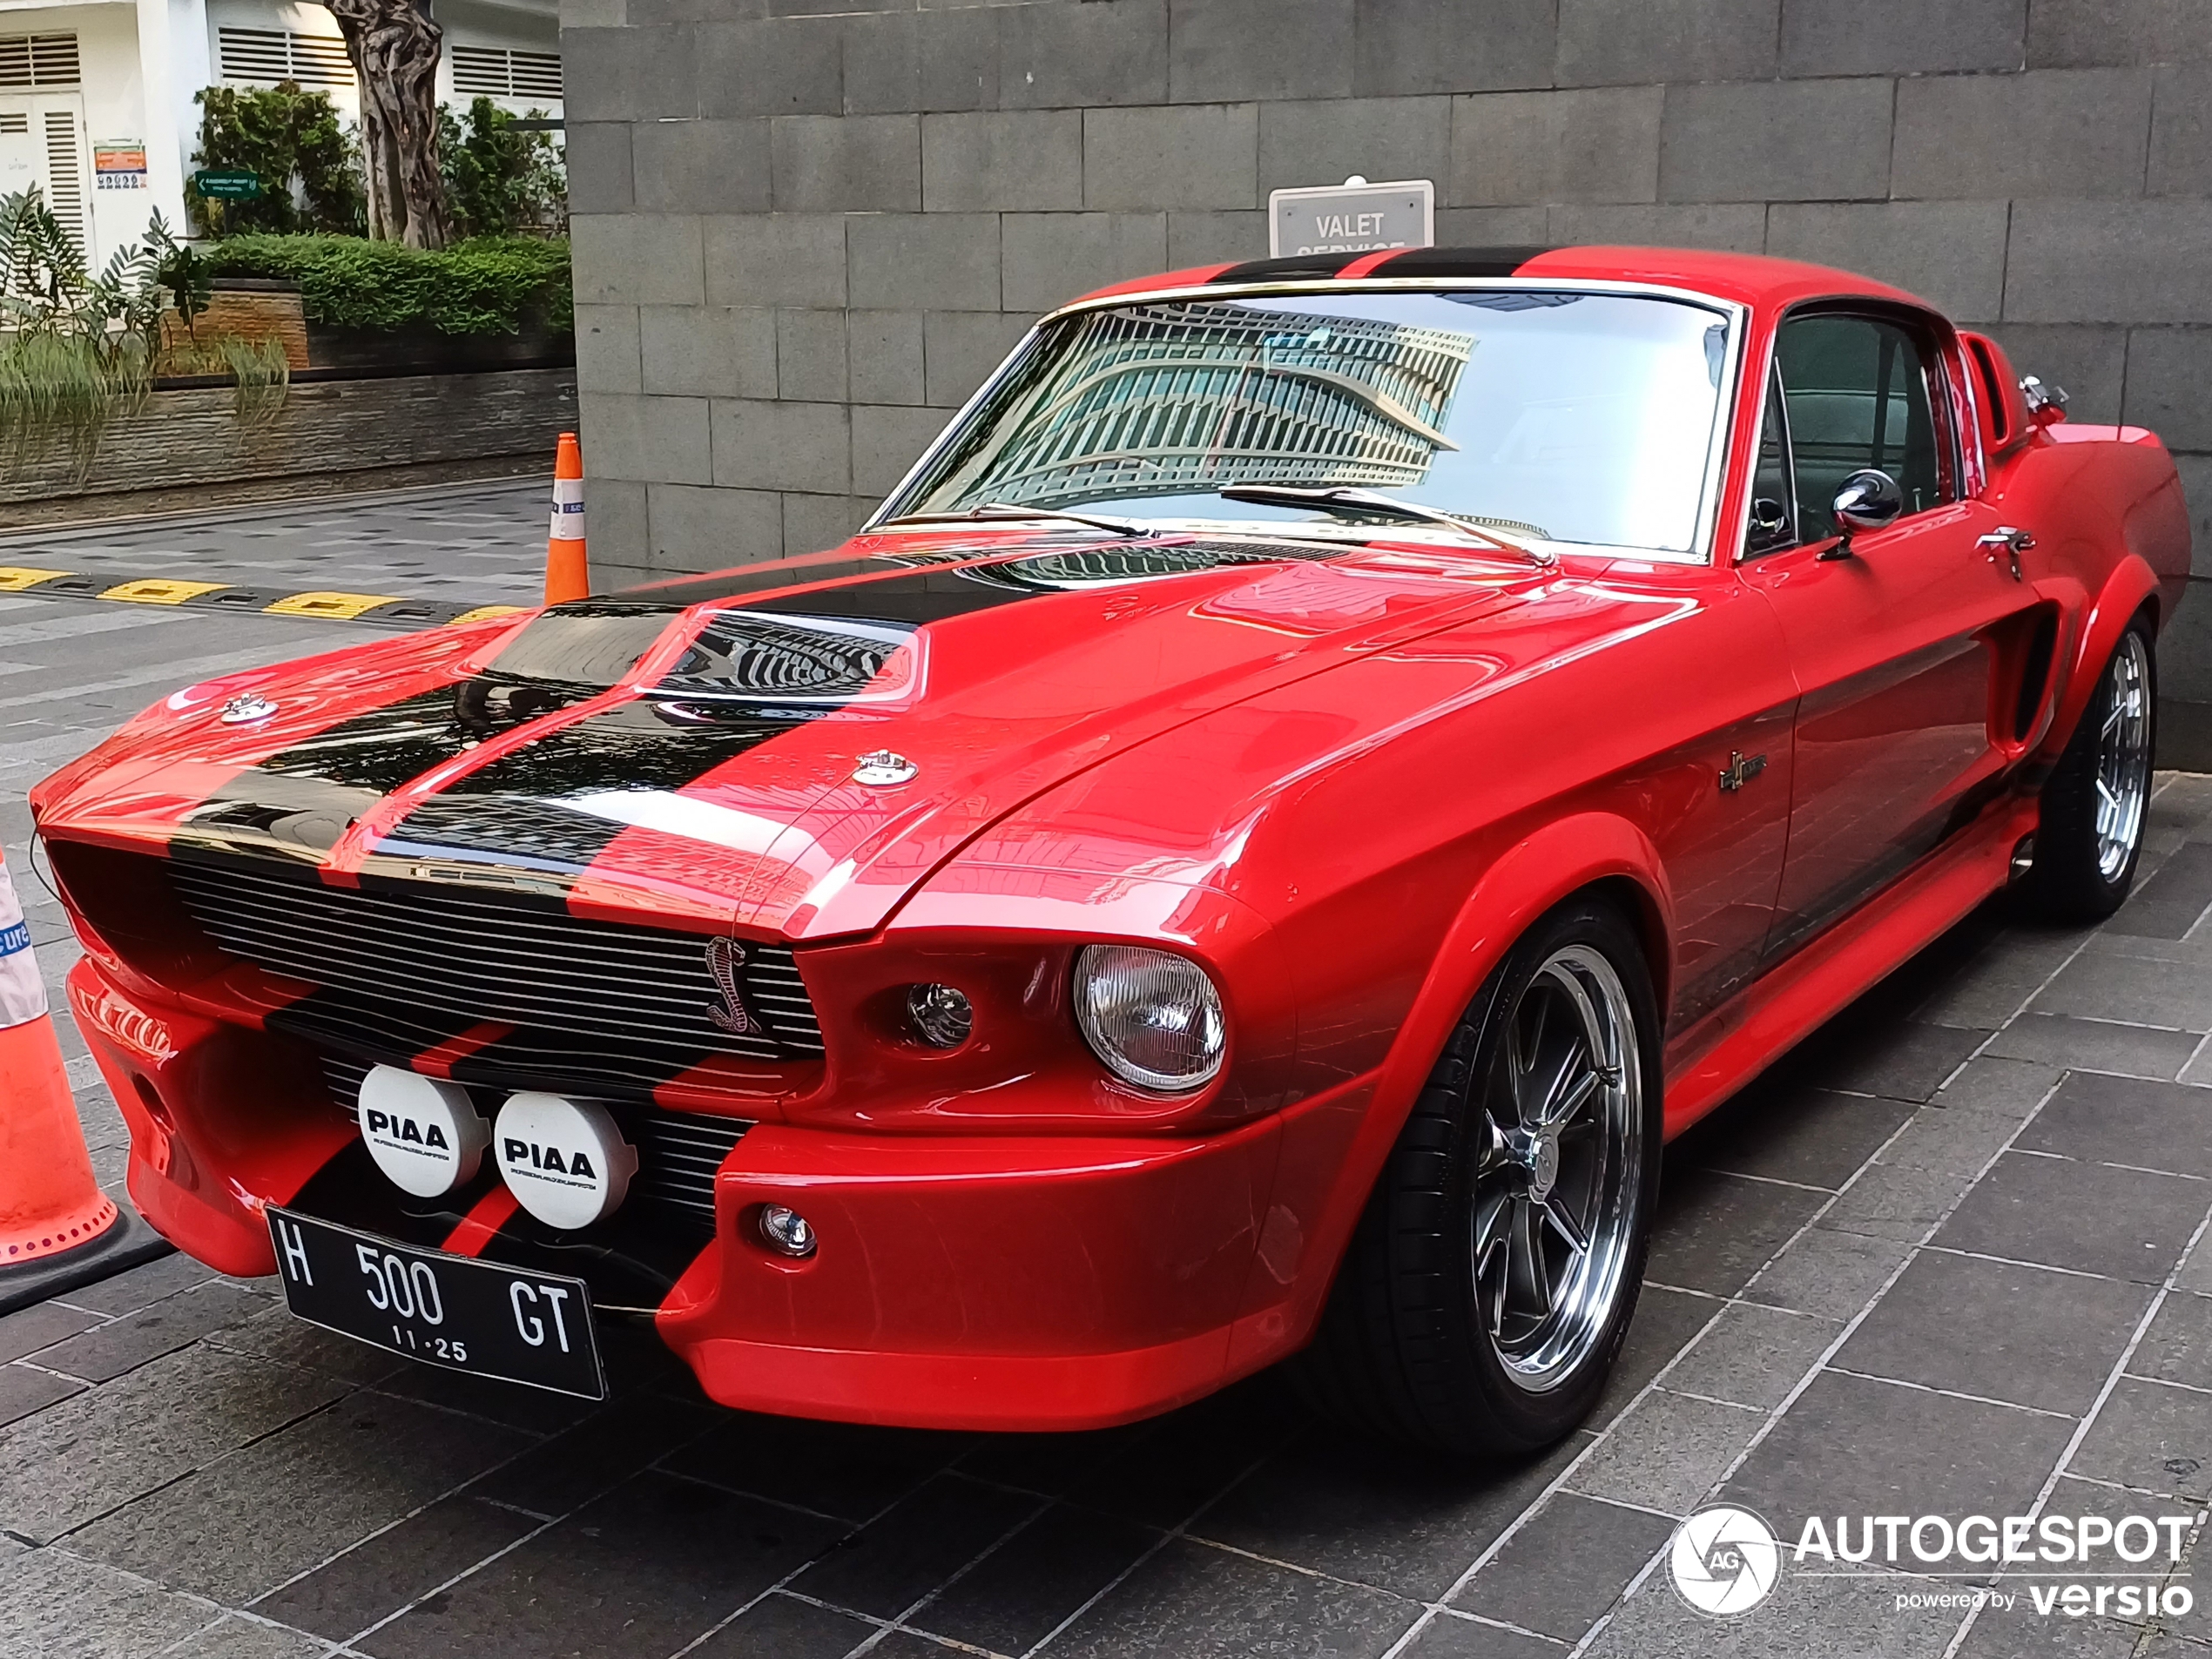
1568	416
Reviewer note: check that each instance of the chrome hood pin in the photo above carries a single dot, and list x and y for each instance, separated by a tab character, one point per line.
881	768
247	707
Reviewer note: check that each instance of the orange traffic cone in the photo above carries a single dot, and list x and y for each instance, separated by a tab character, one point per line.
568	575
58	1228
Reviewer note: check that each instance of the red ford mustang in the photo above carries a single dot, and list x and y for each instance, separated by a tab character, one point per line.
1323	767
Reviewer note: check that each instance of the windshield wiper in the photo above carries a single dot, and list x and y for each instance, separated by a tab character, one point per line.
1347	502
1009	510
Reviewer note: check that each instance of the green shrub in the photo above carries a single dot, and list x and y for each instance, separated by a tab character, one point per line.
278	133
498	178
493	285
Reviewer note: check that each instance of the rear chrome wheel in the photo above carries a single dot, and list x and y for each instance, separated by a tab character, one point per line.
2123	756
2098	798
1553	1196
1493	1272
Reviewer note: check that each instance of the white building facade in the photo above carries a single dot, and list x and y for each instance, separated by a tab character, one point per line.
96	100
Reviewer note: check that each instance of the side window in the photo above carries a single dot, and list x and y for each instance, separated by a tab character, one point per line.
1774	519
1858	394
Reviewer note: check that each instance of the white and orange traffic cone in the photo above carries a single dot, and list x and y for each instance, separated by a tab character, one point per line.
567	573
58	1228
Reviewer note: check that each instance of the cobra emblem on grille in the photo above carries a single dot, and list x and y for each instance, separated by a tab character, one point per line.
724	958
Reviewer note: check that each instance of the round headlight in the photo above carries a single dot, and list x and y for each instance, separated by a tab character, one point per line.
1153	1017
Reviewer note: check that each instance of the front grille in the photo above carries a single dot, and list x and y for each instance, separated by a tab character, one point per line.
602	1008
677	1152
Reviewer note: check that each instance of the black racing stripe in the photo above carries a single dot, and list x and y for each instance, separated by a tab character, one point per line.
298	802
765	578
1460	261
1295	268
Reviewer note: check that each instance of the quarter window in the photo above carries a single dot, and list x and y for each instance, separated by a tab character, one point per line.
1858	394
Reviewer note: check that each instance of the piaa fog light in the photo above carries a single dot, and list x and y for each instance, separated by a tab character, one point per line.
1154	1017
425	1134
565	1160
941	1015
788	1231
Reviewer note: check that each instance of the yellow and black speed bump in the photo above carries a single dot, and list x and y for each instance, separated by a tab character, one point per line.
322	604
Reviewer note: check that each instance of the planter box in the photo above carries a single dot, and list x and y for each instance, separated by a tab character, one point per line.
425	351
251	308
186	436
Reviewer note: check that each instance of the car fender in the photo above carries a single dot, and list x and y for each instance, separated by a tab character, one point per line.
1536	873
2131	584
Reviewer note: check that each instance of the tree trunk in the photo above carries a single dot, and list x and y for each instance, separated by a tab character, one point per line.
394	45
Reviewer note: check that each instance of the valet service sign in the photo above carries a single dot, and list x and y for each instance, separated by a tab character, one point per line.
1727	1561
1354	217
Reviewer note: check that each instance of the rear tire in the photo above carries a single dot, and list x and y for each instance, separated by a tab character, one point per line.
2098	797
1464	1319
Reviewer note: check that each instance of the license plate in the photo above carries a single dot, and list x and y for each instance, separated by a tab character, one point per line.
482	1317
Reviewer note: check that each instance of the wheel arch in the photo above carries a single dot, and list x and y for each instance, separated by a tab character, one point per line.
2129	592
1586	852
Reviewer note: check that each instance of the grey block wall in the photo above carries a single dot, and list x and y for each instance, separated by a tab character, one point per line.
806	229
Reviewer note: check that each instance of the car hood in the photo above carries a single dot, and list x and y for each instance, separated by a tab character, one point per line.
787	748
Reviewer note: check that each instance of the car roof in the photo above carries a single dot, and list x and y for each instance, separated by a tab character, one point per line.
1752	279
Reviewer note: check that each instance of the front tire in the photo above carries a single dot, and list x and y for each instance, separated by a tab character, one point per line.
1487	1288
2098	796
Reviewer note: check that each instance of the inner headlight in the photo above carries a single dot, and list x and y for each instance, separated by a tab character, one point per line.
1153	1017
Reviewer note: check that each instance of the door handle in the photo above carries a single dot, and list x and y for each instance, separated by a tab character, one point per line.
2006	539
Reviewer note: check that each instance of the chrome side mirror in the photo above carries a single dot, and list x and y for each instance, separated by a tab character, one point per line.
2046	404
1867	500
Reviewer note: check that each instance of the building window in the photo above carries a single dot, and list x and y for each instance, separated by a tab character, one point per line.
37	60
495	72
278	55
65	173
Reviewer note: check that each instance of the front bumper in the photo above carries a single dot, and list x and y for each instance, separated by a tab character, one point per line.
1030	1283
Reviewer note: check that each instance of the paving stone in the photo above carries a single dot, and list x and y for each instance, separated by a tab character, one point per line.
2000	1087
237	1638
1806	1618
2103	986
24	1390
2097	1045
1896	1059
1753	1355
832	1468
1450	1638
1666	1321
776	1627
1343	1506
53	1604
2125	1120
1200	1603
2153	1437
1827	1273
2022	1632
160	1327
1898	1200
1021	1591
1815	1136
534	1411
1190	1458
1854	1446
2171	903
1667	1452
382	1572
925	1537
652	1566
135	1287
246	1522
279	1334
100	1449
2026	1335
2121	1223
2177	1347
40	1325
1714	1231
1565	1566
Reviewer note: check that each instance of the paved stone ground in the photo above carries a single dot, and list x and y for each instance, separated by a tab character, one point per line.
1949	1259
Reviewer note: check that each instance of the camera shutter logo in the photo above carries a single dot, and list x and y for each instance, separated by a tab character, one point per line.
1724	1560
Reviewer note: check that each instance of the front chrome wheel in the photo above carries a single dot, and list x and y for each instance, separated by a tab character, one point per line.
2123	757
1557	1184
